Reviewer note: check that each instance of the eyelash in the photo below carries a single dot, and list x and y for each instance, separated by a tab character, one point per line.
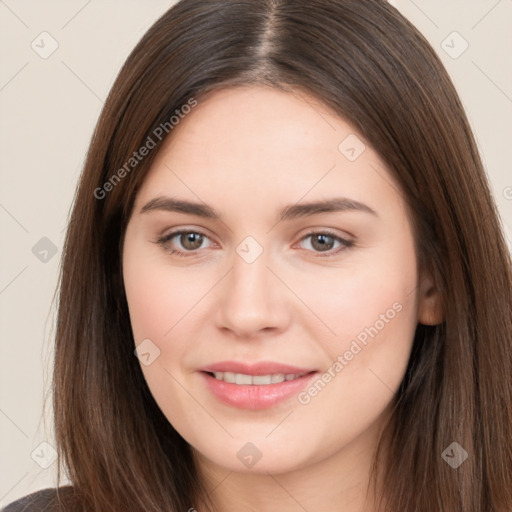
182	254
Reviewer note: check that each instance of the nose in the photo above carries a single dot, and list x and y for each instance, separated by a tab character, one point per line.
252	299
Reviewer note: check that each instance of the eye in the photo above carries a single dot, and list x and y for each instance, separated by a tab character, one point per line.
323	242
190	241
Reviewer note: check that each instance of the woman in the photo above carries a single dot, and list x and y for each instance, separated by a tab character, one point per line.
284	280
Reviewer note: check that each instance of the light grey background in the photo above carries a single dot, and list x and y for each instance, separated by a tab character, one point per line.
49	105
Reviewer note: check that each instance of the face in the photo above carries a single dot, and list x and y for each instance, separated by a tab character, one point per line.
255	280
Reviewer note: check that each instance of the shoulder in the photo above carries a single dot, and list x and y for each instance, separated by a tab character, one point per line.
46	500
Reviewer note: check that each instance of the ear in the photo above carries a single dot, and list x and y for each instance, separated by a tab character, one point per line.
429	302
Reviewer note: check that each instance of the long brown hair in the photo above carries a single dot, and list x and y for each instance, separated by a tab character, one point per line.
366	62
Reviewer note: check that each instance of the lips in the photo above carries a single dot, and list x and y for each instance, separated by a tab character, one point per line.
255	386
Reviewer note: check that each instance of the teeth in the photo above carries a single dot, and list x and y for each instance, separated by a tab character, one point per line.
255	380
228	376
240	378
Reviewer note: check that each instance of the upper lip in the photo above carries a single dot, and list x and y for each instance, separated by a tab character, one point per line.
261	368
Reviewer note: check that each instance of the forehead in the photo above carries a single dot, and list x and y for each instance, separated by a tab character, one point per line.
259	119
276	145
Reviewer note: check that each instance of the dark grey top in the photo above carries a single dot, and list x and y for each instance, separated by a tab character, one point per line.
39	501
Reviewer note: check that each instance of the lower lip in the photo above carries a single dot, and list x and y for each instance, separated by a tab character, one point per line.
255	397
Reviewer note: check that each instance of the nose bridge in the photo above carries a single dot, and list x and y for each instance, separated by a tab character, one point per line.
250	273
250	299
249	263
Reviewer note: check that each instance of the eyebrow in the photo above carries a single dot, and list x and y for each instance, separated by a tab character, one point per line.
289	212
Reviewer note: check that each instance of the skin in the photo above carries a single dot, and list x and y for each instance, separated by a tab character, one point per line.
248	152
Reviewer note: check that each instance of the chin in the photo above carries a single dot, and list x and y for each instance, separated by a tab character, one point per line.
255	457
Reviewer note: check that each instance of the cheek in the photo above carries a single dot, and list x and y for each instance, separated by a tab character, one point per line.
373	311
161	303
369	354
363	374
368	298
158	295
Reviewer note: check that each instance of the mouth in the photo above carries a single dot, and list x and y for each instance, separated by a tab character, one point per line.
256	387
255	380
